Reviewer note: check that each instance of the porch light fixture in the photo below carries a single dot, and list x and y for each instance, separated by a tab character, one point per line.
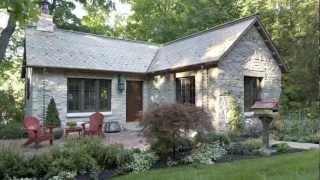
120	83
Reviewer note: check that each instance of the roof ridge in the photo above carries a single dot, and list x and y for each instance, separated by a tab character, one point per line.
223	25
219	26
110	37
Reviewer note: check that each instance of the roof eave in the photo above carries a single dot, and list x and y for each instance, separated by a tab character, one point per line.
86	69
268	41
185	68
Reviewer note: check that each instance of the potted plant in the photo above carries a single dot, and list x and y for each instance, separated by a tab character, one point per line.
52	119
71	124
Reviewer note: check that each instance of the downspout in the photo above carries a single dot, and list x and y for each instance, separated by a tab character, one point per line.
202	88
43	95
207	71
204	82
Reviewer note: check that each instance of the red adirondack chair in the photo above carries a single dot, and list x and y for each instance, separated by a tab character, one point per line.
95	125
36	133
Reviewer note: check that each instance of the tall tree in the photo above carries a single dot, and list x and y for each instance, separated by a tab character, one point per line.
162	21
20	12
293	25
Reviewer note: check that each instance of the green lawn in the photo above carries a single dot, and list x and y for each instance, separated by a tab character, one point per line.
302	166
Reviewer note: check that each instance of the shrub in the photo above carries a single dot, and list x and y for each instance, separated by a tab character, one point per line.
212	137
98	155
75	156
71	124
236	120
248	147
52	117
114	157
65	175
206	154
167	126
11	163
72	159
282	147
36	166
12	130
141	161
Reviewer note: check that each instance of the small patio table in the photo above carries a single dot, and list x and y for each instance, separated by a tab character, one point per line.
73	129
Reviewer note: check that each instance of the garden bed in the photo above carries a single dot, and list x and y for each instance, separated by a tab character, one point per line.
234	157
293	166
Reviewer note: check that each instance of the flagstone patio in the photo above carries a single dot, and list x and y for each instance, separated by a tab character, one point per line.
129	139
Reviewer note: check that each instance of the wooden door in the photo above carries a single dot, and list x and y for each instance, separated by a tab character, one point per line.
134	100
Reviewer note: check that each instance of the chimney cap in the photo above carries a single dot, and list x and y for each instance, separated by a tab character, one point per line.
45	6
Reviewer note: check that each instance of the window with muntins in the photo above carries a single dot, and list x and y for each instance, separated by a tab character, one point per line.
252	89
89	95
185	90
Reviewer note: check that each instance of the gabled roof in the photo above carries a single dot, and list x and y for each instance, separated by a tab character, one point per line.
199	48
75	50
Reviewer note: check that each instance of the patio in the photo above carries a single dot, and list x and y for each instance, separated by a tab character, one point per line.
129	139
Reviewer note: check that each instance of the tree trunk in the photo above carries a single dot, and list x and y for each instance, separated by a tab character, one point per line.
53	6
6	35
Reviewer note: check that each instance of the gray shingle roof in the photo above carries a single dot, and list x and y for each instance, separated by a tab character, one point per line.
68	49
200	48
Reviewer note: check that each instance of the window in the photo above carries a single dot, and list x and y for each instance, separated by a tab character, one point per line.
185	90
252	88
89	95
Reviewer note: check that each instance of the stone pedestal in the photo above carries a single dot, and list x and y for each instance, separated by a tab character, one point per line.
266	121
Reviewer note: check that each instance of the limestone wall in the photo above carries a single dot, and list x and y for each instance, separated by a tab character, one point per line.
250	57
53	83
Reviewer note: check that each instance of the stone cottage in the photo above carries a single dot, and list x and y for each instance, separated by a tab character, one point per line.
121	78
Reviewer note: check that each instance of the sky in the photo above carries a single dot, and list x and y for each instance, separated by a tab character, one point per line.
121	9
3	19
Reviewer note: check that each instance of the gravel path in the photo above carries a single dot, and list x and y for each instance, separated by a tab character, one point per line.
298	145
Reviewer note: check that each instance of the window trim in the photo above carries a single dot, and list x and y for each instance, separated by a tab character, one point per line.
258	94
85	113
194	89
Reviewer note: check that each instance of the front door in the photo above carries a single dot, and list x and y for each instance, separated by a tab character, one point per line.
134	100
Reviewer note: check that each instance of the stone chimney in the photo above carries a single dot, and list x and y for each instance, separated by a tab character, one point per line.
45	22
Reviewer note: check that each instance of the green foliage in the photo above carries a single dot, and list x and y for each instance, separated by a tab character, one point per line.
236	120
72	159
300	126
141	161
294	166
92	150
23	11
36	166
167	126
282	147
113	157
10	162
211	138
163	21
248	147
94	21
52	116
207	153
71	124
11	92
65	175
294	28
12	130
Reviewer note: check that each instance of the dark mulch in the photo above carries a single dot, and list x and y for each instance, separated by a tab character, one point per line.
235	157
